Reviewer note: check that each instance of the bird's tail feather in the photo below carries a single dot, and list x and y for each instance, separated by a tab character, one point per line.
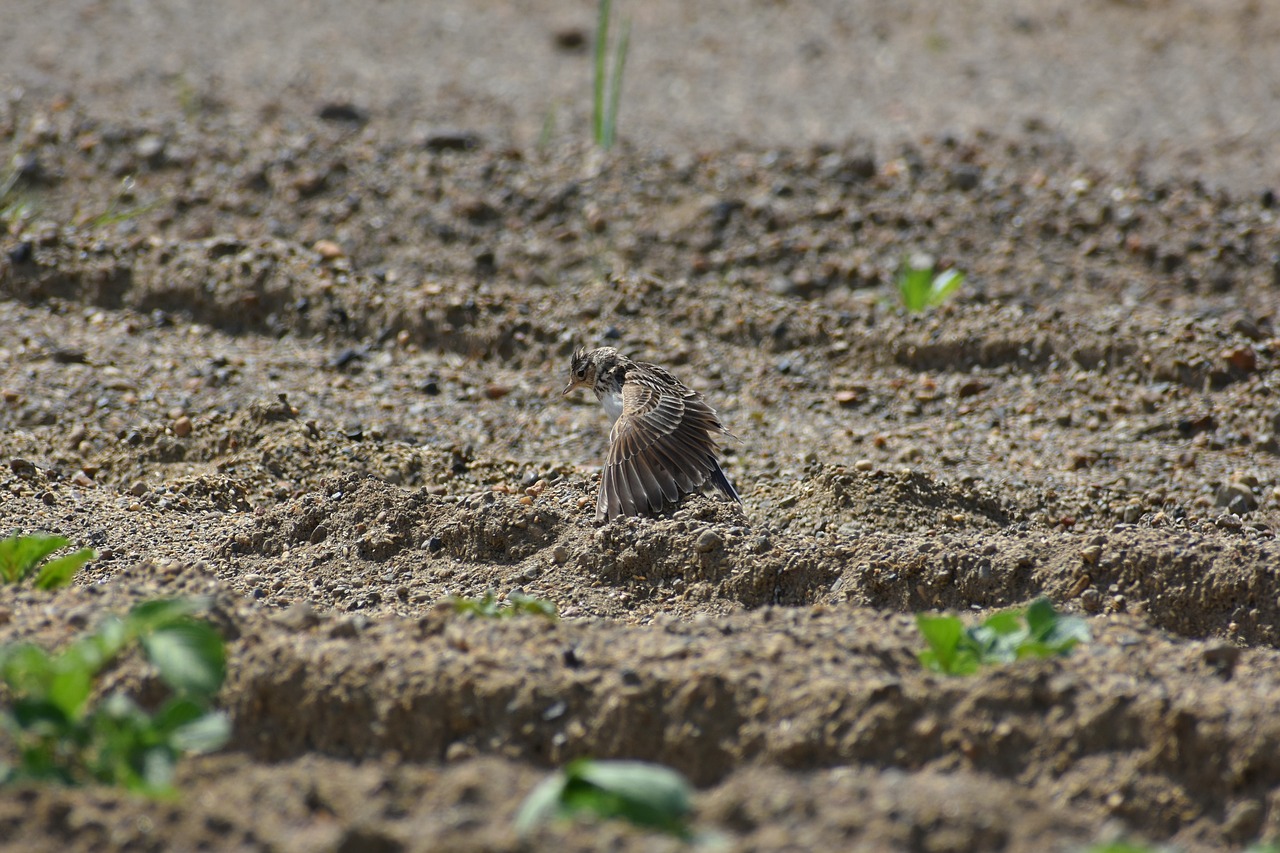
721	482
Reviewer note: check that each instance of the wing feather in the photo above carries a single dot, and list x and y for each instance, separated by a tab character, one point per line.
661	446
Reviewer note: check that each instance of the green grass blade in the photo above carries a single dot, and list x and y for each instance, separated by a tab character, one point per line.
913	287
598	92
615	85
944	285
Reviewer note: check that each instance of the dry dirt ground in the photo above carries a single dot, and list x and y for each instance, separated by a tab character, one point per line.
288	293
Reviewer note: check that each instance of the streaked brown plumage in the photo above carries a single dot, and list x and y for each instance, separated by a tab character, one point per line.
662	446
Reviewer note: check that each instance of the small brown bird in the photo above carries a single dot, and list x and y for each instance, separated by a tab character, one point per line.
661	447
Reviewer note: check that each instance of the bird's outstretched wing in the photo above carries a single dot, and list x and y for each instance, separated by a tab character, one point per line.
661	446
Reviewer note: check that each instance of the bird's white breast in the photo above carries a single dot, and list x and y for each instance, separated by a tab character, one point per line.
612	402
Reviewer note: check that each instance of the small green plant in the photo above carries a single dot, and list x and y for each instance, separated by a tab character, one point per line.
16	207
920	287
607	90
62	735
115	213
21	556
489	606
647	795
1039	631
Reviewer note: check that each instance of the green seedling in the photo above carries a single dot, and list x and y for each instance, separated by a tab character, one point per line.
1039	631
920	287
116	212
607	88
63	733
23	556
647	795
15	211
489	606
16	207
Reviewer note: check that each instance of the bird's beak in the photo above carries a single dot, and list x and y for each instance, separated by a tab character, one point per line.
568	388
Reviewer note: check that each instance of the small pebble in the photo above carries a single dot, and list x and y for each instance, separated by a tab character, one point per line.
182	427
328	249
708	541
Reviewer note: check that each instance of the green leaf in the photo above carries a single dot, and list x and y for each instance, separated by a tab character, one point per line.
943	634
522	603
59	736
156	773
39	715
119	708
26	669
70	686
175	713
643	793
203	734
151	615
919	287
913	287
542	805
20	554
1037	631
1004	623
1041	618
104	644
58	573
647	795
992	646
190	656
944	285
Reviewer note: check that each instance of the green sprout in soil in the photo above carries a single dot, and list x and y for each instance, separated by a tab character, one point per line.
920	287
607	91
62	731
647	795
115	213
489	606
16	207
1039	632
22	556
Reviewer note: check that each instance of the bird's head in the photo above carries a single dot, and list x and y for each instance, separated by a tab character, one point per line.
586	366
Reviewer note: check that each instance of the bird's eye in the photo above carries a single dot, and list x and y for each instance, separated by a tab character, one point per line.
581	373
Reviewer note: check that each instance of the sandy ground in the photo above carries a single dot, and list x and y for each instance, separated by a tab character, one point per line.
290	293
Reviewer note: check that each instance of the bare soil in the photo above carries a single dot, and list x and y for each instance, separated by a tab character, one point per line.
307	362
